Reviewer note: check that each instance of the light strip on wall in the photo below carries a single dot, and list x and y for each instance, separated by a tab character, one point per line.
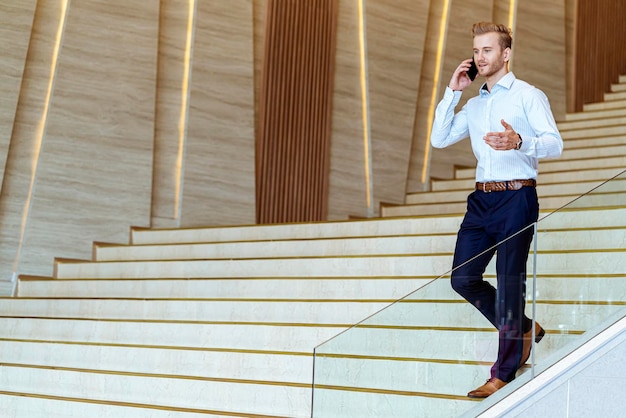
184	109
367	141
435	92
512	21
40	133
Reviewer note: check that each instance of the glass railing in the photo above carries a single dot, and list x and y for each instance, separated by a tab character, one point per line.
420	356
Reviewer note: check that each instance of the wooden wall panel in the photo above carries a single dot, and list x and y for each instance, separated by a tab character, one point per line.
16	21
218	180
600	48
94	171
296	108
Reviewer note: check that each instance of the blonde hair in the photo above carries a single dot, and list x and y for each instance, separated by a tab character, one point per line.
504	33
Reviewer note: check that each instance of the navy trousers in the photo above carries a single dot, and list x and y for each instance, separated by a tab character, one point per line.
492	217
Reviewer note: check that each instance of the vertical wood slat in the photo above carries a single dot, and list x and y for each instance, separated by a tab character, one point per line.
600	48
293	144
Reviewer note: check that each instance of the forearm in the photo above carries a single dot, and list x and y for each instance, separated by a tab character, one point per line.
447	127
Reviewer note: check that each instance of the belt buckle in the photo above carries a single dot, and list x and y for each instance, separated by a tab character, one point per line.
487	188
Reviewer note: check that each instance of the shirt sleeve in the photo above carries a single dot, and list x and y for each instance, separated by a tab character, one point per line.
449	128
547	141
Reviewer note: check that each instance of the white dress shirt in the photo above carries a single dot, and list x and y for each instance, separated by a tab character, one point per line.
520	104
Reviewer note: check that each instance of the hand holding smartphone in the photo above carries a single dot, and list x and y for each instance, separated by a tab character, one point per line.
473	71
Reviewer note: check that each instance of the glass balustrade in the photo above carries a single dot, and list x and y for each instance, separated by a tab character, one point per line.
420	356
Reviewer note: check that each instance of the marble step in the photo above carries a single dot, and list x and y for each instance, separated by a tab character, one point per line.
594	151
408	244
386	289
253	311
450	313
367	339
419	265
417	374
377	227
408	375
592	132
20	404
596	114
223	364
346	403
454	345
363	267
596	174
602	141
543	190
558	165
281	337
591	201
618	87
548	289
612	96
615	88
200	394
613	104
619	120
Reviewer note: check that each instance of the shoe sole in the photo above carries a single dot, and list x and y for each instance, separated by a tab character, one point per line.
539	336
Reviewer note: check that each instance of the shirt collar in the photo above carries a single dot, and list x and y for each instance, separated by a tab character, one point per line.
505	82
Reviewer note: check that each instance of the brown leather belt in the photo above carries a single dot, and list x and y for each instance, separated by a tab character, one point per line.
500	186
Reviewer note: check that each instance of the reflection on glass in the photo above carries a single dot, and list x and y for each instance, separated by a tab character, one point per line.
421	355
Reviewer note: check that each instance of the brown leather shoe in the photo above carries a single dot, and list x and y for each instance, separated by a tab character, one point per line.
528	343
492	386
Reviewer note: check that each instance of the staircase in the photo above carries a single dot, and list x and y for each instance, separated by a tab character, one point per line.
223	322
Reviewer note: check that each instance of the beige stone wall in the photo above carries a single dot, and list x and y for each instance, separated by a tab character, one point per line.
204	143
218	185
540	49
395	45
16	25
81	152
119	114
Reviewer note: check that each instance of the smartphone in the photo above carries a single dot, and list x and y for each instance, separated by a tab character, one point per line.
473	71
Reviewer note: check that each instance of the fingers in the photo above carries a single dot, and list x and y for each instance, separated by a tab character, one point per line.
497	142
502	141
459	79
505	124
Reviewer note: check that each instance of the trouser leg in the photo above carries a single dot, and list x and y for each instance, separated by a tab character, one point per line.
511	320
468	268
490	219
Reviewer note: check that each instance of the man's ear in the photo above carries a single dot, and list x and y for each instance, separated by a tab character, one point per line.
507	54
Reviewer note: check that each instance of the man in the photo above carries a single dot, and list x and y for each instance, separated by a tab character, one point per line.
510	126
